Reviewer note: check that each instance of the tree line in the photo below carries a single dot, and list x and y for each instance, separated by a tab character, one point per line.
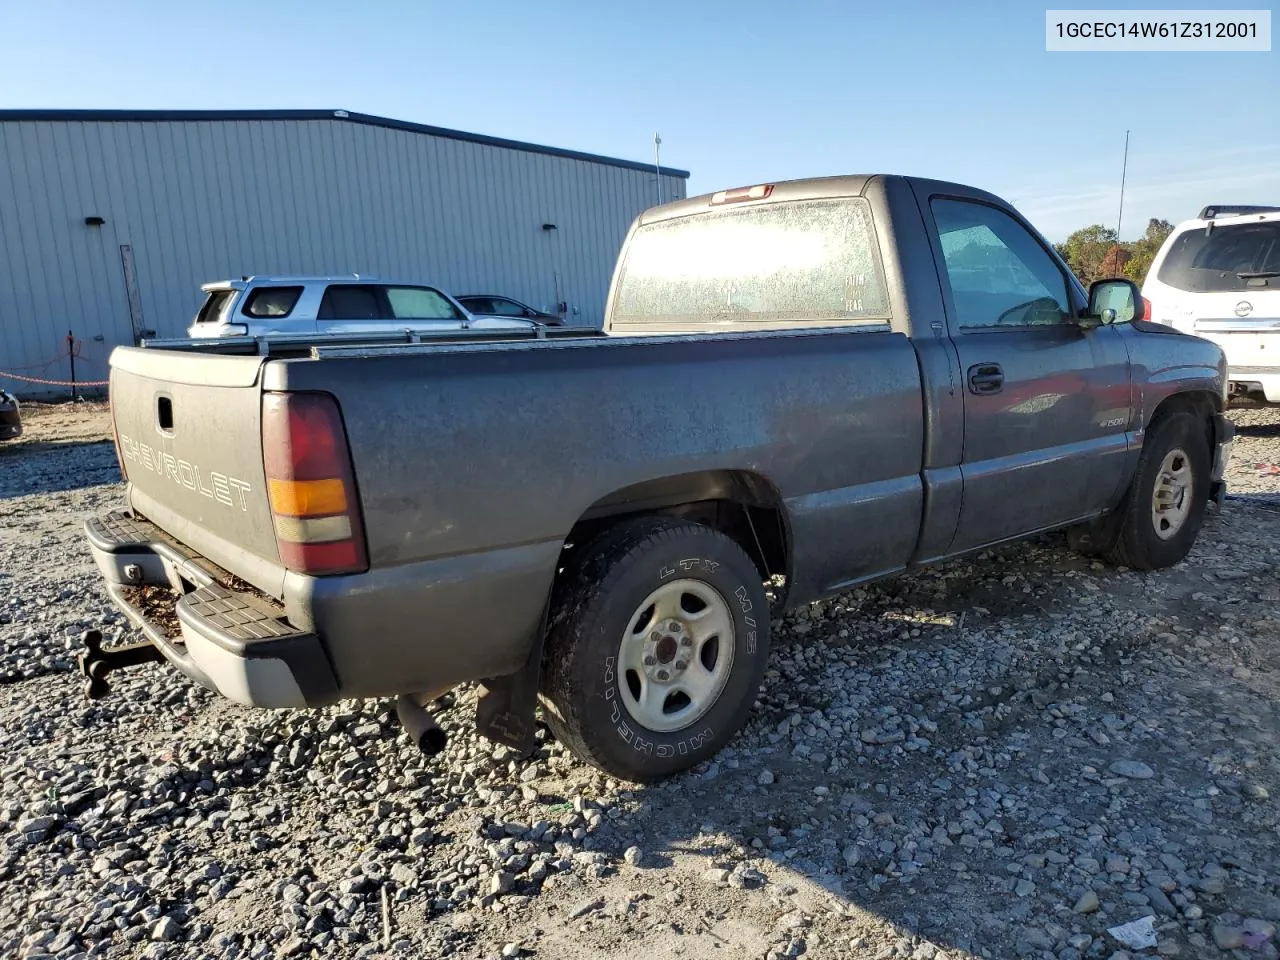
1095	252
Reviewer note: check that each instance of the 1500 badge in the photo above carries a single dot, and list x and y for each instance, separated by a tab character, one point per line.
219	486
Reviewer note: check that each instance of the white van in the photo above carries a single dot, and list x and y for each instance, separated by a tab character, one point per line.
1218	277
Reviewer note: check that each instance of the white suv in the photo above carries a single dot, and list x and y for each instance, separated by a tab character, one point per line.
1218	277
284	306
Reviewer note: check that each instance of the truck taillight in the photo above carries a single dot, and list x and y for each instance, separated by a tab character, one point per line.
1144	309
310	484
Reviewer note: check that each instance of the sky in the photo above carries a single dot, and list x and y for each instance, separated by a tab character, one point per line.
741	92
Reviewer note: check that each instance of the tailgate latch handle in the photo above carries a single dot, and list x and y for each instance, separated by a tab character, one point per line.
164	413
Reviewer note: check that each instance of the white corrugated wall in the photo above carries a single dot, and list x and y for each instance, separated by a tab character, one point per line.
201	200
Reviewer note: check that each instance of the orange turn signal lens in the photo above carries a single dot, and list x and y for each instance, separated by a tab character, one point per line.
307	498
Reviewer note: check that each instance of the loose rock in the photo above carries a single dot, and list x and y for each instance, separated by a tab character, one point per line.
165	930
1133	769
1088	902
585	907
1228	937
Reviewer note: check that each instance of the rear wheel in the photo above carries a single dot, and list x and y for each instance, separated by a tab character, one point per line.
656	649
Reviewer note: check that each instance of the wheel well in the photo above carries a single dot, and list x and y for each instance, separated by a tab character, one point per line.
741	504
1201	404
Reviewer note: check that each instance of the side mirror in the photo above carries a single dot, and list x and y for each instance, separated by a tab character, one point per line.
1112	301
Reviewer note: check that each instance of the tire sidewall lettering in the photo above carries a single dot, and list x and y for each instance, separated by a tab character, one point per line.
744	602
633	737
667	571
591	630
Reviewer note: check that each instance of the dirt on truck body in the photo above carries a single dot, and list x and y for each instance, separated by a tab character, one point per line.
826	382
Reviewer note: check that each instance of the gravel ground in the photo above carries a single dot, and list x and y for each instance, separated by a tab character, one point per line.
997	758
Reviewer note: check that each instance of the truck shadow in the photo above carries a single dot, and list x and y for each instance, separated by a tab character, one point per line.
936	753
1259	429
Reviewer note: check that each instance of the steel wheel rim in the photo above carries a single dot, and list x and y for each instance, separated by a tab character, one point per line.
676	655
1172	497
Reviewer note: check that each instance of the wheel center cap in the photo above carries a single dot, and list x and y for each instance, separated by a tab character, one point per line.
1170	497
666	649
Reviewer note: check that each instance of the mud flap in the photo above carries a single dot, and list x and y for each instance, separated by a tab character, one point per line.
1218	493
1097	537
506	706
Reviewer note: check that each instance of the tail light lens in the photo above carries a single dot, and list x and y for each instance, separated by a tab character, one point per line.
310	485
1144	309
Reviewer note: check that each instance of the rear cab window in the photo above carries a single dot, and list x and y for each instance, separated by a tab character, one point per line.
776	265
271	302
1232	257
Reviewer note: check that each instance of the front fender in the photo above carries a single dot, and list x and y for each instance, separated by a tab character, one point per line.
1168	363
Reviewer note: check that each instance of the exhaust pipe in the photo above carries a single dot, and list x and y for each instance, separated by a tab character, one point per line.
420	725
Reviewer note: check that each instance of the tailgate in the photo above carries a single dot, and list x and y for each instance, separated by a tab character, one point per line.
1246	326
190	434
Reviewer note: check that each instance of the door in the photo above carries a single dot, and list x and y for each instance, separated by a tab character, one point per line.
362	308
1046	403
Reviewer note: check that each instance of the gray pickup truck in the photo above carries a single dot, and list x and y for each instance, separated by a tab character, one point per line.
799	387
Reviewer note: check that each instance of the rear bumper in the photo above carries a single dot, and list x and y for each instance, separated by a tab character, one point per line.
1263	380
234	642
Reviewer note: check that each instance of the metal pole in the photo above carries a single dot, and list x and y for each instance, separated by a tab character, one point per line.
1123	170
71	352
657	164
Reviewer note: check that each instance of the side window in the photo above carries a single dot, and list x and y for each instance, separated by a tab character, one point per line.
478	305
420	303
271	301
507	308
214	303
1000	275
350	301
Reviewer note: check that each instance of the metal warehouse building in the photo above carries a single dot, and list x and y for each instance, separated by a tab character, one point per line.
111	220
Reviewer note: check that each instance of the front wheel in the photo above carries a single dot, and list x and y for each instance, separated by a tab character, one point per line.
1161	514
657	645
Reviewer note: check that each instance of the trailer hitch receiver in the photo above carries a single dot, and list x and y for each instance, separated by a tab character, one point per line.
95	663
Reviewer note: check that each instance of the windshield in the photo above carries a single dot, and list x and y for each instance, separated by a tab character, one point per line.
1231	257
803	261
